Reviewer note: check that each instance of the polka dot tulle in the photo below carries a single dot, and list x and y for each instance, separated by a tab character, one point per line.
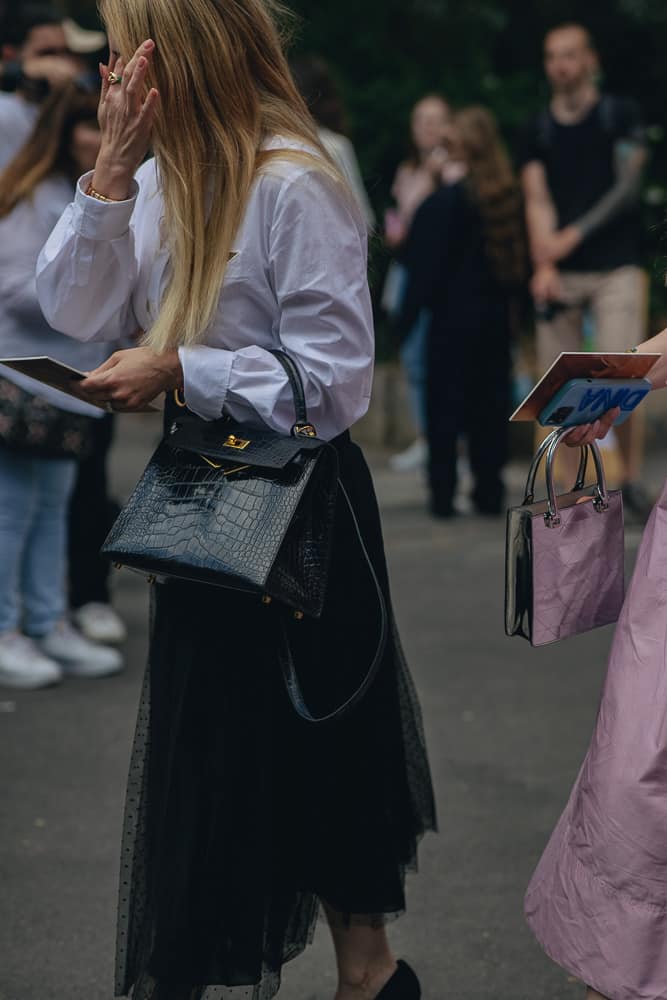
241	820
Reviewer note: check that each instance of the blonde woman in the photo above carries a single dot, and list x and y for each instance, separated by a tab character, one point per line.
239	237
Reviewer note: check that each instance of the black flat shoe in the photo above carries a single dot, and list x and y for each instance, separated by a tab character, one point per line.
403	985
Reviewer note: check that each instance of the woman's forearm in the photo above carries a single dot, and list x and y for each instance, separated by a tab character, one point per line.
657	345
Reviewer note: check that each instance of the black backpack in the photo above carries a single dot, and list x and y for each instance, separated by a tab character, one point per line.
611	118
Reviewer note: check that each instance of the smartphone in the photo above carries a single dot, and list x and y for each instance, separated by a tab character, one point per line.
583	400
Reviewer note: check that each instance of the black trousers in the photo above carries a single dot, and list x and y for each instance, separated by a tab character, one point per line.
468	393
91	514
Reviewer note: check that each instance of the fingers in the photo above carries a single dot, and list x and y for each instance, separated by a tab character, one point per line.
107	365
147	113
582	435
134	74
104	74
575	439
607	421
95	388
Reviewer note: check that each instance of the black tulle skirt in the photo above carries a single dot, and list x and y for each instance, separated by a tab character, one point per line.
240	817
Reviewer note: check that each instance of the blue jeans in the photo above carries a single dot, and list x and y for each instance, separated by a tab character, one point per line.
414	351
34	496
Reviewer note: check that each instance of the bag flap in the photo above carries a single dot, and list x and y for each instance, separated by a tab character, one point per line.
228	441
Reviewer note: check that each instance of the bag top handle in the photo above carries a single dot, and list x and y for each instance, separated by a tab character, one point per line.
552	517
529	495
302	426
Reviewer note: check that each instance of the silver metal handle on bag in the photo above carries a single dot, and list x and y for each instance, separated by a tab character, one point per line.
529	496
552	516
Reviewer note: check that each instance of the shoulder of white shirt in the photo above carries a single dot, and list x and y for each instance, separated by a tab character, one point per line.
285	168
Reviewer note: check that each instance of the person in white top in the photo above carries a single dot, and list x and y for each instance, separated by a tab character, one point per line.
37	643
417	177
241	237
320	92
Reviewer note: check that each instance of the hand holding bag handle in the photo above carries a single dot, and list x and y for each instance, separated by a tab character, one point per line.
601	503
290	676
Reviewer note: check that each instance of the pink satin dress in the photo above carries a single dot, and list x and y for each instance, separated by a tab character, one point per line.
597	902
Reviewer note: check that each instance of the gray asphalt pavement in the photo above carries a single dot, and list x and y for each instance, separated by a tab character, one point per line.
507	728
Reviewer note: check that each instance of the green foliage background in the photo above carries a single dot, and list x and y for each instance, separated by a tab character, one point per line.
386	53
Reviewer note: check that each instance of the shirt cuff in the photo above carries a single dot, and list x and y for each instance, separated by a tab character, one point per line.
101	220
206	375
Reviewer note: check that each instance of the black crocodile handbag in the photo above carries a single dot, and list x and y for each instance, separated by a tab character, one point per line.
250	509
235	506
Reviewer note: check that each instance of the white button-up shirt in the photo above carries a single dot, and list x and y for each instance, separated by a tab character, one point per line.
297	281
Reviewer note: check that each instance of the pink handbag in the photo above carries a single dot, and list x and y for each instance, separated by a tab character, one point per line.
564	562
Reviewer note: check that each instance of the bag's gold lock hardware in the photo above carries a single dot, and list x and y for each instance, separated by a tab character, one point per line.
266	599
117	565
236	442
299	616
151	580
306	430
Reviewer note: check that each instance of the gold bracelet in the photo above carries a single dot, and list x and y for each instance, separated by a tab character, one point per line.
92	193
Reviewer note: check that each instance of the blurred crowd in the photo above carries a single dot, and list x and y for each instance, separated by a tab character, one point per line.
488	252
479	246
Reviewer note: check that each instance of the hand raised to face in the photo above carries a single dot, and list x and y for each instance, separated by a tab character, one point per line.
126	116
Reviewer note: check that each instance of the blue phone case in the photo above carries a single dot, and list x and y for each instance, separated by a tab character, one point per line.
583	400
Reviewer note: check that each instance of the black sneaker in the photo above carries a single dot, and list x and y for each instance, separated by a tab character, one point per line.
636	500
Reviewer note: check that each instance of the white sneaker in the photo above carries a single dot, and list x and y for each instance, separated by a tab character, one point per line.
100	623
22	665
413	458
78	655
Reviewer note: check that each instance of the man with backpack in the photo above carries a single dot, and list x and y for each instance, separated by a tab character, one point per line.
581	162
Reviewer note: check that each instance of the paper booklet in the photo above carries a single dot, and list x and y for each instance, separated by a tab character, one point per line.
581	364
59	376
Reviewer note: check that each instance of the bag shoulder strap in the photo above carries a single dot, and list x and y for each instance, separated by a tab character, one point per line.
610	114
302	424
290	675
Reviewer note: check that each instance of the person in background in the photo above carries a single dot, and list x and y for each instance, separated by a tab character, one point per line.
314	79
39	52
581	164
466	259
92	511
42	52
417	177
37	643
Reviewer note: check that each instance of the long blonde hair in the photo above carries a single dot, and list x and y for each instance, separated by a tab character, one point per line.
224	87
496	191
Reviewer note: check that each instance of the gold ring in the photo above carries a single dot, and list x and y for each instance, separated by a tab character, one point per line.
113	78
